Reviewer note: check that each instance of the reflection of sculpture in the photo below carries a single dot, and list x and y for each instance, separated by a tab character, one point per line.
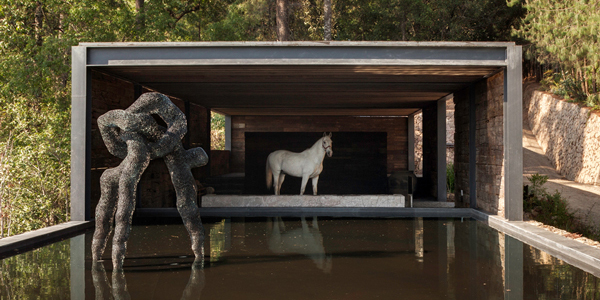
193	289
133	135
307	241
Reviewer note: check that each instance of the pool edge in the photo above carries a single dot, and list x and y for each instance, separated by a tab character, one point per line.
23	242
572	252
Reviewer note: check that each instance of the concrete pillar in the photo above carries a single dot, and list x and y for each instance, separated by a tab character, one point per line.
411	142
513	135
472	148
430	149
81	135
441	150
228	132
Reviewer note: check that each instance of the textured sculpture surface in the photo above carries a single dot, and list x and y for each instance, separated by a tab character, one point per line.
133	135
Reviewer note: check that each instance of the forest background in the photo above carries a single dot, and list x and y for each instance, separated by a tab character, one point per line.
559	37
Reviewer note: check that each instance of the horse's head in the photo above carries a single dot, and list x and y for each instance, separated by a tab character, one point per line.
327	144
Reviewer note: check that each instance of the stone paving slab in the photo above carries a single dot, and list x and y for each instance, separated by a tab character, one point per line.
303	201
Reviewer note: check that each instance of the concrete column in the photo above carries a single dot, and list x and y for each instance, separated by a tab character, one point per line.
441	150
81	135
472	148
430	150
411	142
513	134
228	132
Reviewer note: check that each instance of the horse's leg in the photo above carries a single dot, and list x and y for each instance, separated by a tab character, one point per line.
315	180
276	180
304	182
281	179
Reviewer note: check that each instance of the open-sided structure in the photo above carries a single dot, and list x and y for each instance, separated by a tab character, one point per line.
356	87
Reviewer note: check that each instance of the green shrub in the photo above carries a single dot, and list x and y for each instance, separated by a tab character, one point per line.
450	178
552	209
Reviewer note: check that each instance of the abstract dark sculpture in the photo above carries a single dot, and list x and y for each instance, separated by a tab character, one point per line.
133	135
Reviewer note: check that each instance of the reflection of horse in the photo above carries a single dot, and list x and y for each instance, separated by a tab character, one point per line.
307	164
307	241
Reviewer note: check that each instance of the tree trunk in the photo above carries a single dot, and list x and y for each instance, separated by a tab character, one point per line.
403	29
39	23
140	20
403	25
282	21
327	19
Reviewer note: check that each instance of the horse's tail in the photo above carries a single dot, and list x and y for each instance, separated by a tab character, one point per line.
269	175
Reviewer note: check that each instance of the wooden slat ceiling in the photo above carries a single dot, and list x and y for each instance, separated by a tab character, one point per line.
305	90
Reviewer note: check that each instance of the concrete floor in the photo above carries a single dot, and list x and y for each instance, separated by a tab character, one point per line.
583	199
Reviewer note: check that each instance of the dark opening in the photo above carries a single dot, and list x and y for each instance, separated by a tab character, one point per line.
358	164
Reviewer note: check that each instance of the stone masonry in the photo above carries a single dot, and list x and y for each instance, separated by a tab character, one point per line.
489	97
568	134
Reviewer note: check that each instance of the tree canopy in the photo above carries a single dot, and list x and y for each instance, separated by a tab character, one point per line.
564	36
36	39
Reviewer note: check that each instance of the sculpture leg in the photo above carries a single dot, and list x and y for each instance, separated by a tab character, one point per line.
105	211
186	191
133	166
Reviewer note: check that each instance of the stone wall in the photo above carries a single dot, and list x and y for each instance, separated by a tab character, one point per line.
489	98
396	128
568	134
489	95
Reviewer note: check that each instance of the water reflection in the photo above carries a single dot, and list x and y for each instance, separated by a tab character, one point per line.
306	240
419	244
275	258
118	290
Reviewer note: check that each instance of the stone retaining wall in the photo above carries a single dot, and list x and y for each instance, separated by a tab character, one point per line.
568	134
489	144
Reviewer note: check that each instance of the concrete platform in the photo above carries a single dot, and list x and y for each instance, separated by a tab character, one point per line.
303	201
432	204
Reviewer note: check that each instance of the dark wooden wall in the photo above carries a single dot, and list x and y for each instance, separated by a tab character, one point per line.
395	127
358	164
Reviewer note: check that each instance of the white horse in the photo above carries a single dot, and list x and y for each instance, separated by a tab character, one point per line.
307	164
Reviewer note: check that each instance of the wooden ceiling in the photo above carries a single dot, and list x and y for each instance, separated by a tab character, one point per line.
305	89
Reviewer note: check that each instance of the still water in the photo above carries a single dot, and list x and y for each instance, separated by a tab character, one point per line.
296	258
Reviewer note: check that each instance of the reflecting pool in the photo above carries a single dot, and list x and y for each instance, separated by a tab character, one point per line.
303	258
